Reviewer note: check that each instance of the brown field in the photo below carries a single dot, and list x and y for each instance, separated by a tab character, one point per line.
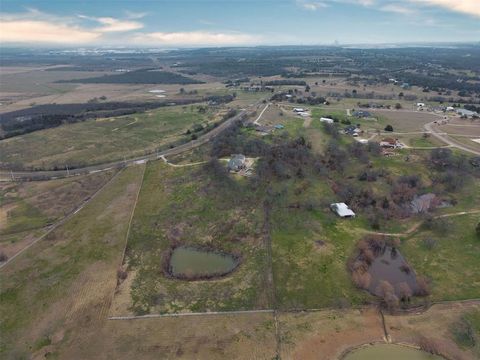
406	121
435	325
469	130
28	208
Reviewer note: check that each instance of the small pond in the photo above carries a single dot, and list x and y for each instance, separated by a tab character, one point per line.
390	352
193	263
390	266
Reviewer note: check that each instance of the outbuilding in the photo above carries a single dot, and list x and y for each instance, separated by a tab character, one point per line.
326	120
342	210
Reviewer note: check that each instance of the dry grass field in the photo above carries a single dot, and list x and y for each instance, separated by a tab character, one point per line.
27	209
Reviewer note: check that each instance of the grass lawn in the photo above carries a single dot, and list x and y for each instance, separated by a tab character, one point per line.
189	206
453	265
102	140
310	250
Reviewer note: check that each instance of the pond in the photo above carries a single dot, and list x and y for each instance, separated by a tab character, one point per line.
390	266
193	263
390	352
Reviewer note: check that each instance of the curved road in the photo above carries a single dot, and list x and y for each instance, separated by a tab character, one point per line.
441	136
7	175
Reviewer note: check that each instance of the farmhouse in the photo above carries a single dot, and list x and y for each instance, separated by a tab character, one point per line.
390	143
342	210
263	129
326	120
236	162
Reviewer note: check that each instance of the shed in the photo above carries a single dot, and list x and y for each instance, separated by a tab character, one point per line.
342	210
326	120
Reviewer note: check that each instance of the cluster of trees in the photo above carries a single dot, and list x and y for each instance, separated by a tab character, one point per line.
366	251
52	115
293	82
142	76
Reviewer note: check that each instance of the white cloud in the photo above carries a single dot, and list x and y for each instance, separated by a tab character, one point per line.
395	8
311	5
471	7
113	25
196	38
40	31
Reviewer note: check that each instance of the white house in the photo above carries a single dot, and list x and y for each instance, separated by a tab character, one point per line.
420	105
326	120
299	110
450	108
342	210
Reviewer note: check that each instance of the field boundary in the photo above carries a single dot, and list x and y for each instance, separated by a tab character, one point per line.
62	220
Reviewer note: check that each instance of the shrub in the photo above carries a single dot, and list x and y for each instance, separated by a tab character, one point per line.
429	243
3	257
389	128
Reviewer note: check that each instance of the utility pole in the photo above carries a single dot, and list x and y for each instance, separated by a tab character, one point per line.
68	172
11	174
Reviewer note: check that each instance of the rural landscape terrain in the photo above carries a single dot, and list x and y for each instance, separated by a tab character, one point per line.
271	202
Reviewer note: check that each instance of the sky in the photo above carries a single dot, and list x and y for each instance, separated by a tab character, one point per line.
200	23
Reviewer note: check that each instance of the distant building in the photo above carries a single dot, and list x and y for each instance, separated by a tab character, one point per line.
263	129
342	210
326	120
299	110
236	162
390	143
362	114
279	126
450	108
466	113
420	105
303	113
406	86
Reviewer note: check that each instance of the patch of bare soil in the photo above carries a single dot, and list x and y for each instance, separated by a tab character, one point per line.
329	333
434	325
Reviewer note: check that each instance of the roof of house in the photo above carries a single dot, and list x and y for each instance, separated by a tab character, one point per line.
390	140
342	209
236	161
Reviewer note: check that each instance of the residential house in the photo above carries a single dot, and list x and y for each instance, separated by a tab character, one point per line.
236	162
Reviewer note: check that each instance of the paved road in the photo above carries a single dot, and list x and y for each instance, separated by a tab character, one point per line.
6	175
440	135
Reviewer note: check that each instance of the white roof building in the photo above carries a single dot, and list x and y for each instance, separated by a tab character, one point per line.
298	110
326	120
467	113
342	210
420	104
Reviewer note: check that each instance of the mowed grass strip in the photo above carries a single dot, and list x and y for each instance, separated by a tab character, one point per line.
63	285
189	206
100	141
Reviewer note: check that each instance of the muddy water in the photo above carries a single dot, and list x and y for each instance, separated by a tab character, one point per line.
390	352
195	263
391	266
